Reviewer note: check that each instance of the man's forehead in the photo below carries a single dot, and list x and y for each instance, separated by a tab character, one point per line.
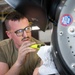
19	24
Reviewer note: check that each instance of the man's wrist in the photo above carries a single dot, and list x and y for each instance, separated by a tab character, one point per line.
17	64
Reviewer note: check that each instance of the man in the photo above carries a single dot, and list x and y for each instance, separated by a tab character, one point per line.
16	56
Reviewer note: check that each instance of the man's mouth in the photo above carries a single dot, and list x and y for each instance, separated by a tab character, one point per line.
26	39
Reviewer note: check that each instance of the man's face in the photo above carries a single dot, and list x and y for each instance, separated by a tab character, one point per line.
19	31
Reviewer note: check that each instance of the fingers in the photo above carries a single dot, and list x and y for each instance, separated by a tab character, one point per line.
24	50
27	43
22	53
27	50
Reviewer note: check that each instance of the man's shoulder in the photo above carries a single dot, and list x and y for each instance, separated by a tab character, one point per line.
5	42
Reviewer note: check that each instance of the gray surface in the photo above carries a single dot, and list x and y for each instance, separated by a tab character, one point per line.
66	34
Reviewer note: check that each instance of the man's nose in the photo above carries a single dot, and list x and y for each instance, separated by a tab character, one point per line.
25	34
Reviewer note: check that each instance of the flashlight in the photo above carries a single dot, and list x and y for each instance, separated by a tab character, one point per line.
36	46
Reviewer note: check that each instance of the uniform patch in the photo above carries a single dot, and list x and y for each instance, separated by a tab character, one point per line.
66	20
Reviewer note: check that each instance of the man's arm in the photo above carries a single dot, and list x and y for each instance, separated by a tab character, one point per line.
36	71
4	69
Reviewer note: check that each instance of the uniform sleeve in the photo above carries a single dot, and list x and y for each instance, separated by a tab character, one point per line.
2	56
38	60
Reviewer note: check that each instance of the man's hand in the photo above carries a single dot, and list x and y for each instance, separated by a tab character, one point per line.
23	51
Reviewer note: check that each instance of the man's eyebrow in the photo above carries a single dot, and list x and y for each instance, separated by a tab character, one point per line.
23	28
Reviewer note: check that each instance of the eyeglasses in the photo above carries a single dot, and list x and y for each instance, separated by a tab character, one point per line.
20	32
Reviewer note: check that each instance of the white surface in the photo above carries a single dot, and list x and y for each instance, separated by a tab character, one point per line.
45	36
48	66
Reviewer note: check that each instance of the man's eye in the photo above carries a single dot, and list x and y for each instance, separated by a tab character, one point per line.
28	28
19	31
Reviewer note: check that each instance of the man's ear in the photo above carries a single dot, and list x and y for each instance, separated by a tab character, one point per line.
9	34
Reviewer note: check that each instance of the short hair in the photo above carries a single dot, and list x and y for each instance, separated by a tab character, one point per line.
13	16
